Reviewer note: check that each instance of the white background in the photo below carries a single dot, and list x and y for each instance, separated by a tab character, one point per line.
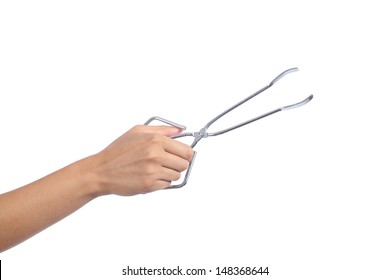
304	192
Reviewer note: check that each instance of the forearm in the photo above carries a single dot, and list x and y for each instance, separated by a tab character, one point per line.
34	207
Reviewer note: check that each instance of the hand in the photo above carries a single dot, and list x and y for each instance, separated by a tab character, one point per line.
142	160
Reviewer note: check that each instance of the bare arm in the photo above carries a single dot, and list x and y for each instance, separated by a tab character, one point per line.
142	160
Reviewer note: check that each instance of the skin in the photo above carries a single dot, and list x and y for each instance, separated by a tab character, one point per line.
142	160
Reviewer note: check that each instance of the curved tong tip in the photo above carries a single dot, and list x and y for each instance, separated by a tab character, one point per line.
299	104
288	71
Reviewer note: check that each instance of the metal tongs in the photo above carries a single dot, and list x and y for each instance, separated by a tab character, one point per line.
203	133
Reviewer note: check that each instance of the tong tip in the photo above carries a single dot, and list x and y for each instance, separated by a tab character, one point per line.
299	104
288	71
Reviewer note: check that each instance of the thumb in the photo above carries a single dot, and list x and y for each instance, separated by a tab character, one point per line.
163	129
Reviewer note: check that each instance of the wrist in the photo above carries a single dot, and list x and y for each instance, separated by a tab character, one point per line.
89	176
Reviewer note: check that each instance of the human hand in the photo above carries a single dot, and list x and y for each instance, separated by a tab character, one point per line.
142	160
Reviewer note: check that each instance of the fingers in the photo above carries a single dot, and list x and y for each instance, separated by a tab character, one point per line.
173	165
172	146
158	129
179	149
160	184
167	176
174	158
174	162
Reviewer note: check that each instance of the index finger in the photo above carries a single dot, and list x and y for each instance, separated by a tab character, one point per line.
178	148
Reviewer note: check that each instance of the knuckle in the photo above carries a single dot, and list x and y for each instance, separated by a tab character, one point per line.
165	185
184	165
153	158
147	184
176	176
190	153
149	170
149	188
152	148
155	138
